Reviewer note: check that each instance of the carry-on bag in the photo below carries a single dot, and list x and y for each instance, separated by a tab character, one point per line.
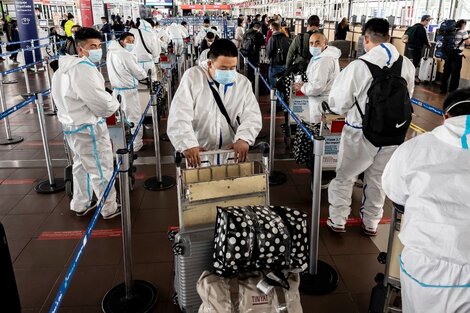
248	293
8	291
427	68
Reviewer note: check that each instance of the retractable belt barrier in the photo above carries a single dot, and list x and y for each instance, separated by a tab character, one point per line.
321	277
17	107
24	41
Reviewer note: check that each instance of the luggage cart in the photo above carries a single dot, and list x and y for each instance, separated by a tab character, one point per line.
388	288
200	191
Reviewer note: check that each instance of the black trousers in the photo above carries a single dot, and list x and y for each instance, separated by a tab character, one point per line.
452	67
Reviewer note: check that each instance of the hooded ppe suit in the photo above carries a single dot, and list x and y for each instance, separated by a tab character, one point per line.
176	35
202	34
146	59
321	73
429	176
195	119
163	38
123	72
82	104
356	154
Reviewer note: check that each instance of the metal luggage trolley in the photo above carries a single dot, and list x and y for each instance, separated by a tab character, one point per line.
388	283
200	191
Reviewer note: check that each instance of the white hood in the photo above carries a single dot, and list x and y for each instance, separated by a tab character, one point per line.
331	52
67	62
115	46
455	131
145	25
384	55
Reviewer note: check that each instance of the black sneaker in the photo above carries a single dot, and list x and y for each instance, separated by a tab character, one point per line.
112	215
90	208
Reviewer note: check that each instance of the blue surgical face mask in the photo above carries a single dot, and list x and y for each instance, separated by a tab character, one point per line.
129	46
315	51
225	77
95	55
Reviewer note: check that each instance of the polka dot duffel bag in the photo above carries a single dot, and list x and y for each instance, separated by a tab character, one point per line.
259	237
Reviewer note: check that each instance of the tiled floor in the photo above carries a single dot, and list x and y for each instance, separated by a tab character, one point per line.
40	265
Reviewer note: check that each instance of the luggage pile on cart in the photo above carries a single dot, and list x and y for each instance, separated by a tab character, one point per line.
232	250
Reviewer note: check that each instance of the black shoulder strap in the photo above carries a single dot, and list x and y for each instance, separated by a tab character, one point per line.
221	106
396	67
375	70
143	42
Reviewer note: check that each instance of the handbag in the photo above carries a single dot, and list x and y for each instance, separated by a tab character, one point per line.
240	294
259	237
303	145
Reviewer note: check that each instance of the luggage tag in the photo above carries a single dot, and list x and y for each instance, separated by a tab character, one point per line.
264	286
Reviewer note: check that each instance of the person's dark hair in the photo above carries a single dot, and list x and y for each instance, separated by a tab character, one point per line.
458	96
214	28
125	35
222	47
270	21
104	18
85	33
377	30
460	23
210	35
137	22
257	16
70	16
313	20
239	21
184	23
207	21
150	21
276	26
257	25
76	26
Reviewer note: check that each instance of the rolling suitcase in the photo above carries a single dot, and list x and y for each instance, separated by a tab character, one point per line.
8	291
193	255
427	68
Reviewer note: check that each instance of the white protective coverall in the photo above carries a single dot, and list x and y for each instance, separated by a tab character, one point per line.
321	73
82	104
146	59
203	57
162	36
124	73
176	35
356	154
202	34
195	119
429	176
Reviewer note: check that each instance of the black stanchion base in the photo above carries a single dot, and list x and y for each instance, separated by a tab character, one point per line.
154	185
325	281
12	140
46	187
277	178
164	137
8	82
50	113
144	300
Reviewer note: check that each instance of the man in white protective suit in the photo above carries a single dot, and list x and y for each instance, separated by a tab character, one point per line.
206	28
356	153
176	35
147	48
321	73
82	106
196	122
162	36
124	73
429	176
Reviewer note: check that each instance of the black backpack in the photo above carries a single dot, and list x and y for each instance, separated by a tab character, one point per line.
388	110
280	49
248	43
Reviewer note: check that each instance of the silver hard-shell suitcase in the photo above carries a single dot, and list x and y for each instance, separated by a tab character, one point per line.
193	255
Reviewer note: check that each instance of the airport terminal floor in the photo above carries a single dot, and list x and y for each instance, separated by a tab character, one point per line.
43	232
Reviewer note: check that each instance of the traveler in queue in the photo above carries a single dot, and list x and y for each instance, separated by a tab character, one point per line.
196	121
147	48
124	73
321	73
428	175
349	96
276	50
299	55
82	106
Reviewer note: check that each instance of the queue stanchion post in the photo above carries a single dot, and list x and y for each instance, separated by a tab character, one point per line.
321	277
9	139
158	182
239	60
257	82
54	47
169	98
52	107
52	184
28	87
191	53
275	177
245	66
131	295
34	55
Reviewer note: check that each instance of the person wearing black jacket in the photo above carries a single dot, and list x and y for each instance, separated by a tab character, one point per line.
417	39
253	56
276	50
342	29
